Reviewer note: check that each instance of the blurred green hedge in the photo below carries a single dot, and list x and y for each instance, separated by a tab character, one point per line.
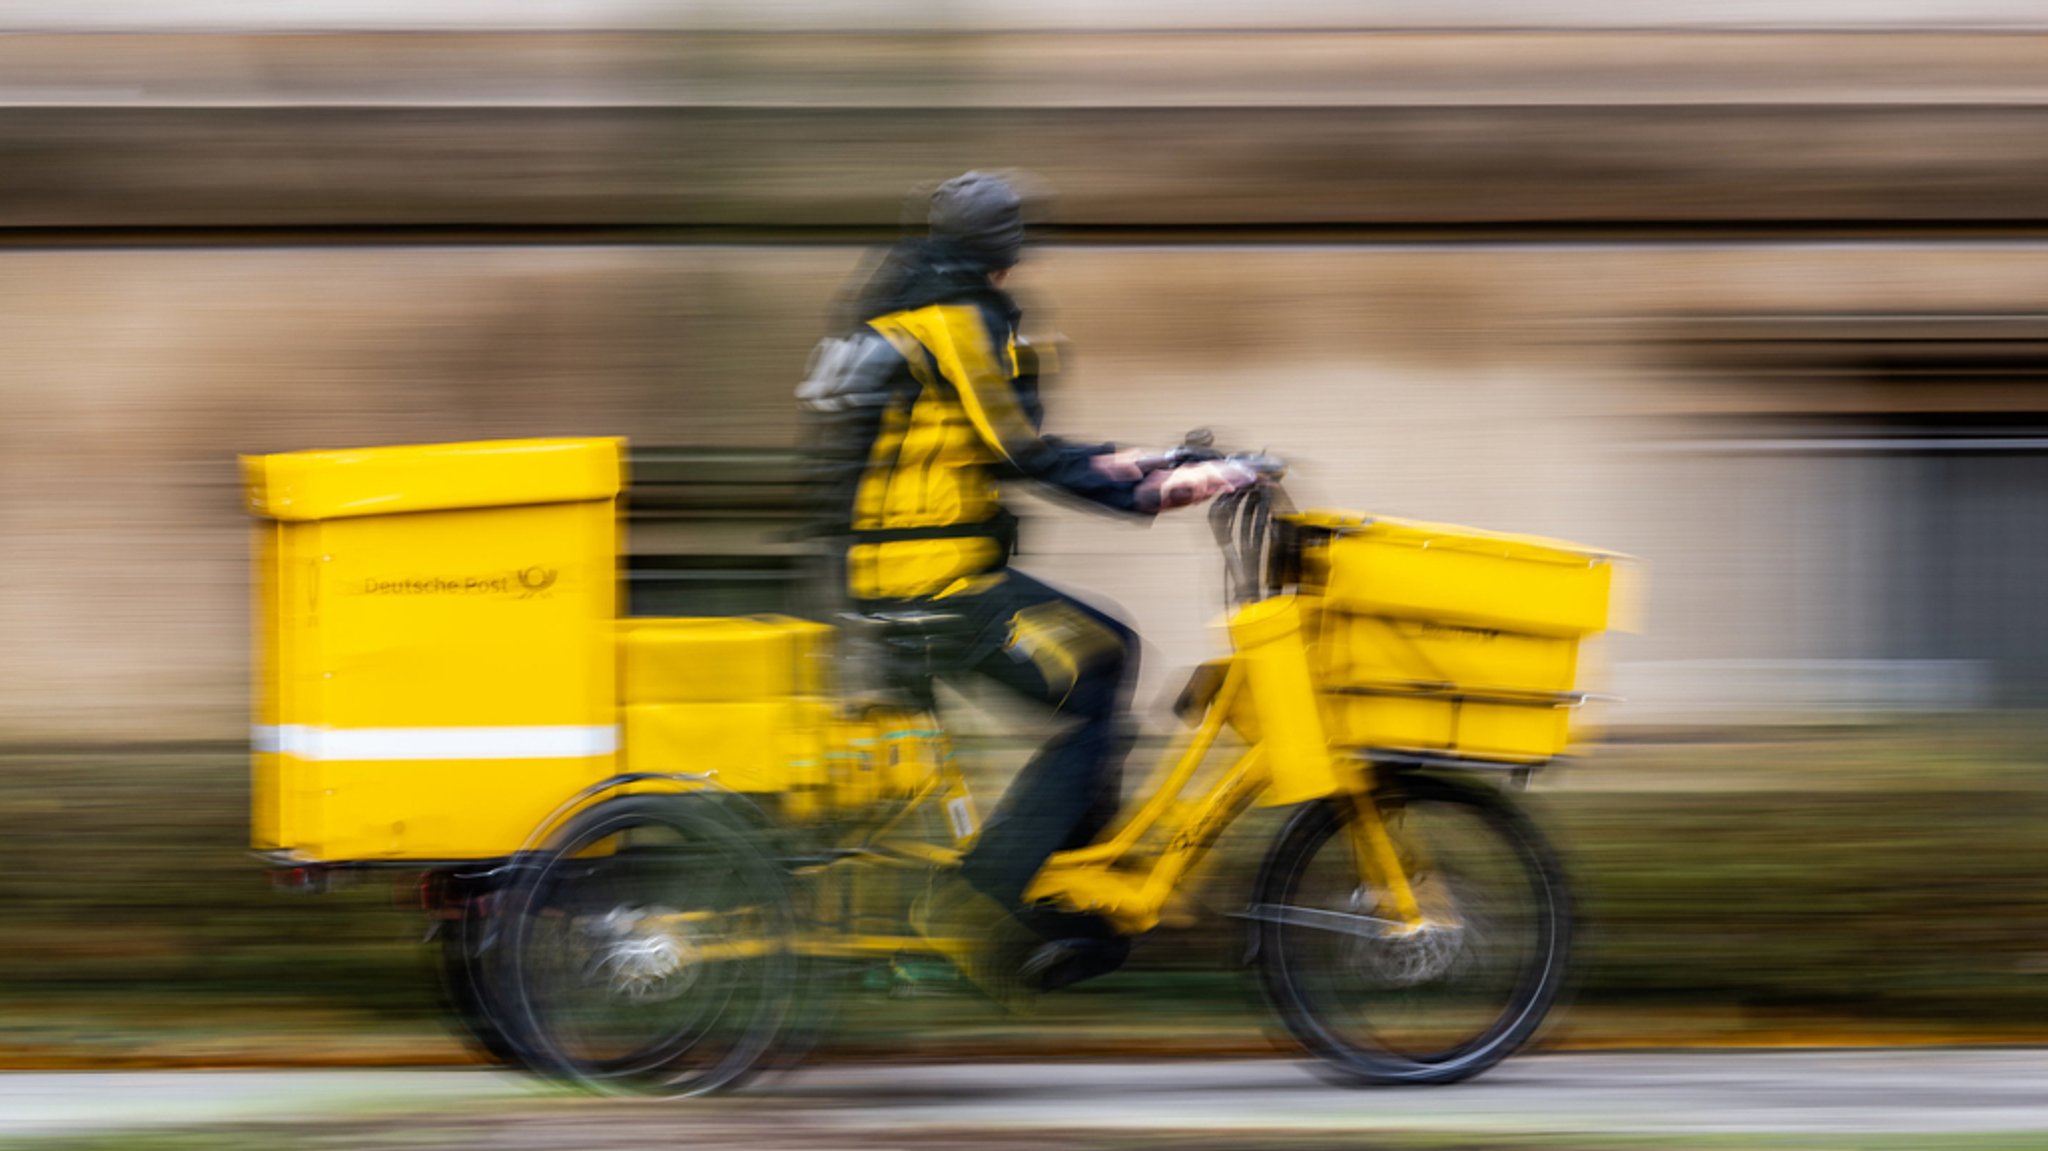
1885	879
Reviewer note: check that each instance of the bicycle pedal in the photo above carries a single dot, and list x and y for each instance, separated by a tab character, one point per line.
909	979
1065	962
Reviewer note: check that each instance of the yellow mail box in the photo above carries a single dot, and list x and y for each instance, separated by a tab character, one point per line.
435	664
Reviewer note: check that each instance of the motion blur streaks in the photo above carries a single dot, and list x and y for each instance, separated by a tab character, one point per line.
1755	294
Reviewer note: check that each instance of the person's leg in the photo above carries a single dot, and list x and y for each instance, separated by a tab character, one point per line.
1080	661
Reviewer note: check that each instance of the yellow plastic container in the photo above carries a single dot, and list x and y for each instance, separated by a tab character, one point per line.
733	698
759	747
1450	640
435	665
1361	649
1467	729
1469	578
722	659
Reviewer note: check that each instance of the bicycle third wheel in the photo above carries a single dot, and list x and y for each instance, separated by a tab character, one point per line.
1381	1003
649	949
466	981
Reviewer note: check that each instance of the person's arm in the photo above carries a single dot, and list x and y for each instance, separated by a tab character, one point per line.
963	342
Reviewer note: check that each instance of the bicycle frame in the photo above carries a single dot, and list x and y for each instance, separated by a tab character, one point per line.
1263	691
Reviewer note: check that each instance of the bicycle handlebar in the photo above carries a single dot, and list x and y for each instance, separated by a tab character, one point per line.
1198	447
1241	520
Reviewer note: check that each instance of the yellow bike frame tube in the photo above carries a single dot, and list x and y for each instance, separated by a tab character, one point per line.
1268	637
1219	809
915	803
1164	790
1132	901
1379	864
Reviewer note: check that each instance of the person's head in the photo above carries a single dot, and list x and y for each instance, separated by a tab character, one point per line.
981	218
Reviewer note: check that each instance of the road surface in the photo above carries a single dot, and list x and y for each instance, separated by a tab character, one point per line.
1846	1093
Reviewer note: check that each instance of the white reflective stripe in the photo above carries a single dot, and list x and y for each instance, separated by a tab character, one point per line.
382	743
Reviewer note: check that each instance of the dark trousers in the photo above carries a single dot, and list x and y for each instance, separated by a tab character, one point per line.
1047	646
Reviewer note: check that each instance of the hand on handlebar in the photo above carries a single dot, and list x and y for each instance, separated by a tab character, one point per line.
1138	463
1190	484
1130	464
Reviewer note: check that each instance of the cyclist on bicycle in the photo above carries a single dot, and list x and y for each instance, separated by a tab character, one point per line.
924	406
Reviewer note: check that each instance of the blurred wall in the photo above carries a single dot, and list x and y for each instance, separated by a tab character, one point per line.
1644	288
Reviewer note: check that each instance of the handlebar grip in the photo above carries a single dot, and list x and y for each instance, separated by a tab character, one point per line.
1175	457
1268	467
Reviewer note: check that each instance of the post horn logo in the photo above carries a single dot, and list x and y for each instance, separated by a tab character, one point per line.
536	581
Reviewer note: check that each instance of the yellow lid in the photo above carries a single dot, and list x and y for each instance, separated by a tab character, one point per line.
1418	533
1504	544
323	485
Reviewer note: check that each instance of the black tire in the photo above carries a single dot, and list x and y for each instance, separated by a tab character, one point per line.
1422	1008
648	949
467	983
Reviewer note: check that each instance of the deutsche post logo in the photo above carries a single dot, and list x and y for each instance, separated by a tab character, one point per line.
535	582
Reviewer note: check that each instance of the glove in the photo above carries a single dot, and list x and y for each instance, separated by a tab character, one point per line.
1190	484
1130	463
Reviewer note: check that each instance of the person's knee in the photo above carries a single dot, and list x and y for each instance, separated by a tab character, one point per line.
1100	684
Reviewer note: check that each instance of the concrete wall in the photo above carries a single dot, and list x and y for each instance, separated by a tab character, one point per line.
1475	386
1443	272
735	130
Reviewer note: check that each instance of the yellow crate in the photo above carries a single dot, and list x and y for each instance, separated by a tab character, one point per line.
1465	577
1451	640
1506	732
1356	650
715	659
736	698
766	746
434	668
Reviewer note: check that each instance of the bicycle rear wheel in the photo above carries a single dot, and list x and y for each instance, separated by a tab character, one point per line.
649	950
1377	1002
466	980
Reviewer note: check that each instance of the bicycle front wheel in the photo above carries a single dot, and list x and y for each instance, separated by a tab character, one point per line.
1382	1001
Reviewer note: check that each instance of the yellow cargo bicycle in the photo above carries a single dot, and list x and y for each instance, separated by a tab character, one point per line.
642	835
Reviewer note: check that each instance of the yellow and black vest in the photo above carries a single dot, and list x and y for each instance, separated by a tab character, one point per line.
923	410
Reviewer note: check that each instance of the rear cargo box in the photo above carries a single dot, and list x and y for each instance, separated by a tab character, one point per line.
435	657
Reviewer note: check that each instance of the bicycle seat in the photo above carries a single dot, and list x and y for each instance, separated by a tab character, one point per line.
914	644
916	620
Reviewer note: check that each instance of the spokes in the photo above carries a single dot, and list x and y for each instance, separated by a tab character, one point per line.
642	955
652	951
1318	919
1430	996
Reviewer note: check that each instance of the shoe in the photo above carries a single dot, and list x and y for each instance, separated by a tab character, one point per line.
1064	962
978	935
